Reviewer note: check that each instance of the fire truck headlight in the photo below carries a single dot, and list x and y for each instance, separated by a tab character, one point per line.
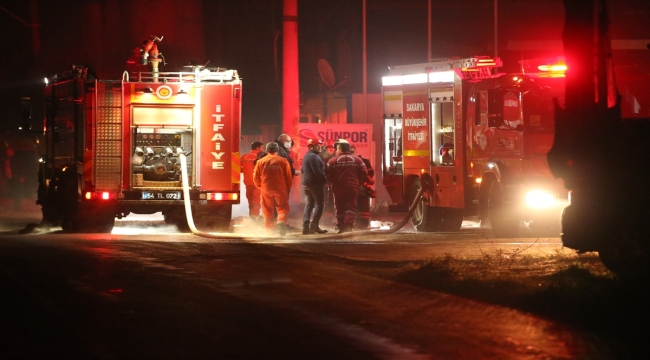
168	152
149	151
539	199
139	151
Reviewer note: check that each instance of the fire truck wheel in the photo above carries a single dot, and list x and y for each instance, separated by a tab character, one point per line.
48	199
503	225
425	218
213	217
176	216
89	221
626	259
206	217
452	219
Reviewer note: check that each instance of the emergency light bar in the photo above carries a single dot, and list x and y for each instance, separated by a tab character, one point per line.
554	68
545	67
433	77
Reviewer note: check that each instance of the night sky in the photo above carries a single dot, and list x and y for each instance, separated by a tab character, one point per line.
246	35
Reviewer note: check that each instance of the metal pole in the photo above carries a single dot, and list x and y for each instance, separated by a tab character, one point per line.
496	42
365	69
36	37
290	81
429	36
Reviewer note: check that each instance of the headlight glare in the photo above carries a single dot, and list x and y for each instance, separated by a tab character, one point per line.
539	199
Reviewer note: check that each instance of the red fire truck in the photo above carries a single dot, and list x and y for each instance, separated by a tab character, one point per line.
476	140
112	147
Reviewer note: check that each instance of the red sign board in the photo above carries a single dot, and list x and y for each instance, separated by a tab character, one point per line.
215	171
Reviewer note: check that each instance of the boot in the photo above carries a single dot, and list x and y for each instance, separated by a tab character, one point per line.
305	228
314	228
282	229
345	228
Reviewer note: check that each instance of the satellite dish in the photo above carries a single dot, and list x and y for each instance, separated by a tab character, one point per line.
326	73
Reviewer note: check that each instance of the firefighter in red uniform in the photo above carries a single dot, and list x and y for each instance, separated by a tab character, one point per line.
272	174
346	172
252	192
365	193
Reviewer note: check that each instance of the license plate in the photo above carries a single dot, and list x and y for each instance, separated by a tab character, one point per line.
160	195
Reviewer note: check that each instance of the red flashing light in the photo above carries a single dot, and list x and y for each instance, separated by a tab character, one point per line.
221	196
99	195
553	68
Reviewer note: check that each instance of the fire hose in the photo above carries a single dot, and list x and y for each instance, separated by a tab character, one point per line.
195	231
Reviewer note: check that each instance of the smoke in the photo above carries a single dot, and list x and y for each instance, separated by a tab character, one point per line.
143	224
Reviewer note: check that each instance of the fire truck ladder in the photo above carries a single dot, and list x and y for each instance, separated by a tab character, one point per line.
468	67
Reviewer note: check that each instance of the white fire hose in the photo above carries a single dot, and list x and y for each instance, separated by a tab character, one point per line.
195	231
188	208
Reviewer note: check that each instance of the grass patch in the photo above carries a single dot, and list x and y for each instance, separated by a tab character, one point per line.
575	289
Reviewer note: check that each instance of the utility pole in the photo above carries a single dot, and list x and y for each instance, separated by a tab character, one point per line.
429	35
496	33
36	37
365	69
290	70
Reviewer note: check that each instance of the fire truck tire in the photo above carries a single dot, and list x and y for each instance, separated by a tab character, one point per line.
206	217
49	208
212	217
626	258
176	216
503	225
452	219
88	224
425	218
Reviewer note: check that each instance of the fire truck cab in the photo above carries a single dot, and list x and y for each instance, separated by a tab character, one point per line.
477	141
112	148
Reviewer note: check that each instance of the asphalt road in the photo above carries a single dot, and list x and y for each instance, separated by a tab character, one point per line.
149	292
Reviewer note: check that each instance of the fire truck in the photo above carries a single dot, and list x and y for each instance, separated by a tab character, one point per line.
476	140
112	147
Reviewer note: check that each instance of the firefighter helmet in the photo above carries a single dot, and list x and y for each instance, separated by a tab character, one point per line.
342	145
314	141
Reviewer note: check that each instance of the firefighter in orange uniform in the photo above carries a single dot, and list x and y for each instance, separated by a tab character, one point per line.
272	174
252	192
346	172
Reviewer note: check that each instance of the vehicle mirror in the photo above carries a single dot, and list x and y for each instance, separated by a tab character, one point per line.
495	108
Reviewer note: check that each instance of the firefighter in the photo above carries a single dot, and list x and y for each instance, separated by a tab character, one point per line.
346	173
327	152
272	174
15	172
365	193
313	183
286	144
252	192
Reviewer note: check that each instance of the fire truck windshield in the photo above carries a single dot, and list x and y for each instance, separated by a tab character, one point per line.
538	108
